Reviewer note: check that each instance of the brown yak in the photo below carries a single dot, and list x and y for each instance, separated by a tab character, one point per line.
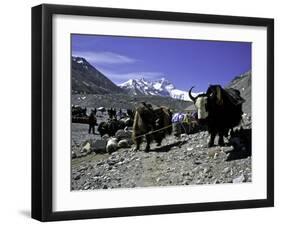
148	119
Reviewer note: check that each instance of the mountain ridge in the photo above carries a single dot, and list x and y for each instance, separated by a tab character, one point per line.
86	78
161	87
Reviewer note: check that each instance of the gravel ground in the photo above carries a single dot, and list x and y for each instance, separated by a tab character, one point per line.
184	161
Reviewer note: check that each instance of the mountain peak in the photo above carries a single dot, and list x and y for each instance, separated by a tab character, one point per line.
79	60
160	87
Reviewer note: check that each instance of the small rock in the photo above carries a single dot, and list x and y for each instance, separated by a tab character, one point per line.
77	176
183	136
239	179
199	181
185	174
83	168
197	162
206	170
120	163
86	148
216	155
159	179
98	173
123	144
73	155
226	170
196	169
105	137
100	163
111	162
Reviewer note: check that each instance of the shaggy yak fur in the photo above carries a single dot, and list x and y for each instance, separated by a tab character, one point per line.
150	118
222	110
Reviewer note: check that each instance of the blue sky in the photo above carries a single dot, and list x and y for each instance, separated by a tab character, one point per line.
185	63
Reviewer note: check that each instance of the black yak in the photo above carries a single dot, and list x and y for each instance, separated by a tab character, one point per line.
220	109
151	122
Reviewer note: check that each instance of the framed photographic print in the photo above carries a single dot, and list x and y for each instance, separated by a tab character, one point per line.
145	112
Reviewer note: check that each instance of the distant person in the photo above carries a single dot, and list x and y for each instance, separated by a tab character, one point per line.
120	113
92	122
114	113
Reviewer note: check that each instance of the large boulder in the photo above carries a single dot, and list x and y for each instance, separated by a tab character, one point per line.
99	146
111	145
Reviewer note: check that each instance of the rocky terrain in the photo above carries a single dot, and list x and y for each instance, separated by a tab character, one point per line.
186	161
125	101
182	161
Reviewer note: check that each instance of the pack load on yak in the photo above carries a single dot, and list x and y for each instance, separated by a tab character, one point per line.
219	109
152	123
184	123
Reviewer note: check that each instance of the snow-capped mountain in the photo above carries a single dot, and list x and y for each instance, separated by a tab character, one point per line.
160	87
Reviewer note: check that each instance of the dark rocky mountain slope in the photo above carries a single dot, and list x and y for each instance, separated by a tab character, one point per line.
87	79
243	83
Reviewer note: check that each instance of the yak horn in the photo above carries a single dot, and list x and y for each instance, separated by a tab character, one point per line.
190	95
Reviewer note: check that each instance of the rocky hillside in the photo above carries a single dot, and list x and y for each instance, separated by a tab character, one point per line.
87	79
244	84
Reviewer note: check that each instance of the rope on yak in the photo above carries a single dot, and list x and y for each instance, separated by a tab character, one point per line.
163	128
154	131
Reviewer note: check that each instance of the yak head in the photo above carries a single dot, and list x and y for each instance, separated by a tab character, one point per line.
200	102
214	94
205	102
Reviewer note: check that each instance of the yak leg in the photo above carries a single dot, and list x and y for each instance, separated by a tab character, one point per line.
221	141
148	138
212	139
158	139
138	142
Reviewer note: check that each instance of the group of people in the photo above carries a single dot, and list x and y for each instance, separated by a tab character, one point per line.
184	123
112	114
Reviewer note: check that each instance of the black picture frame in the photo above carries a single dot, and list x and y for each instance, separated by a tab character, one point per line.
42	111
